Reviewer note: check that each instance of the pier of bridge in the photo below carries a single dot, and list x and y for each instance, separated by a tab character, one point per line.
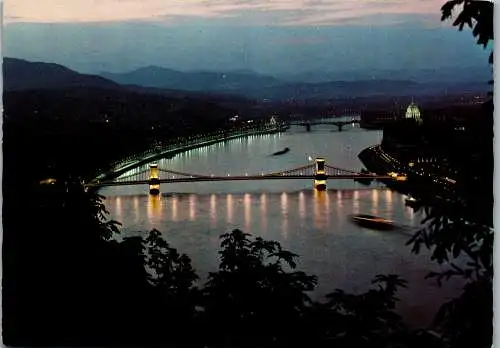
320	175
154	180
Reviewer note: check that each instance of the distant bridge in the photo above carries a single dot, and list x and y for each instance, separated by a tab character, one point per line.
327	121
318	171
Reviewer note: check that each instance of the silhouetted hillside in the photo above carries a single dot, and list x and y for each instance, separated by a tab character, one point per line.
81	129
101	104
23	75
154	76
261	87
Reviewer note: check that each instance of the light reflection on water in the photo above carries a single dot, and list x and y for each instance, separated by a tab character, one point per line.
154	208
229	208
213	210
192	207
327	207
284	214
248	209
174	209
263	212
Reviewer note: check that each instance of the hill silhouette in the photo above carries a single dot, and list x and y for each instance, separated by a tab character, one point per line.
21	74
255	86
155	76
243	90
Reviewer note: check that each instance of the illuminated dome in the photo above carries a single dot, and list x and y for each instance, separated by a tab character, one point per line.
413	111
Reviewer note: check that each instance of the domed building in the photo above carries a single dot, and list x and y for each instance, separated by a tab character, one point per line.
413	112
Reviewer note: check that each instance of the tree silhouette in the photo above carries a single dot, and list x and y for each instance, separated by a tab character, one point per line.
255	296
173	296
461	226
363	320
476	14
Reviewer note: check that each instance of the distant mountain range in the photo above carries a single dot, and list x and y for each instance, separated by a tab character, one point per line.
314	86
154	76
23	75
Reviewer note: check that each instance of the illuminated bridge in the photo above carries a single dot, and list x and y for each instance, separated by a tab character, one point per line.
328	121
318	171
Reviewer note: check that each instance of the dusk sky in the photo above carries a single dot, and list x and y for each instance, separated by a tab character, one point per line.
273	36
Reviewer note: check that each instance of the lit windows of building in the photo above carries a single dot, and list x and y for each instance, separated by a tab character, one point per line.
413	112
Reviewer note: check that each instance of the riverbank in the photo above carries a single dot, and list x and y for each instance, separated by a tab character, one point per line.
376	160
423	184
173	150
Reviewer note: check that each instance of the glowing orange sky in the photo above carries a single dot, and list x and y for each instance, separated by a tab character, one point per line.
285	12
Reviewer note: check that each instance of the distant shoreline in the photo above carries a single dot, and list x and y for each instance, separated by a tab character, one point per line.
181	149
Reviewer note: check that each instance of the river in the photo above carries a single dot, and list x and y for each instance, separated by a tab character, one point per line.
315	225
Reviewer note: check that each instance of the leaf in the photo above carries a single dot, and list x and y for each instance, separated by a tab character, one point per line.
448	7
456	250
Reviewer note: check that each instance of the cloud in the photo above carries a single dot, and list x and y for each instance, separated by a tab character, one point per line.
257	12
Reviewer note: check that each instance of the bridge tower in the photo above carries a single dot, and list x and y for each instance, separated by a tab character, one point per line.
154	179
320	175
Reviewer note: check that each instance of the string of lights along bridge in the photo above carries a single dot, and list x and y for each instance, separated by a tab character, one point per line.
318	171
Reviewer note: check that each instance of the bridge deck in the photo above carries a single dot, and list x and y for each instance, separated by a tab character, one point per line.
236	178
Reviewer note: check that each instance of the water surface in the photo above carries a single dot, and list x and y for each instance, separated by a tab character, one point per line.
315	225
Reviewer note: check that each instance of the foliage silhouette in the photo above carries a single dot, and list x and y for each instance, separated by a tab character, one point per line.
477	15
459	230
255	295
367	319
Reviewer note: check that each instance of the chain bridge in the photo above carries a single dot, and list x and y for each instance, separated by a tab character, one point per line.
318	171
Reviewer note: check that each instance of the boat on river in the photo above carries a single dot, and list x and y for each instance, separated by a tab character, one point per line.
411	202
282	152
374	222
